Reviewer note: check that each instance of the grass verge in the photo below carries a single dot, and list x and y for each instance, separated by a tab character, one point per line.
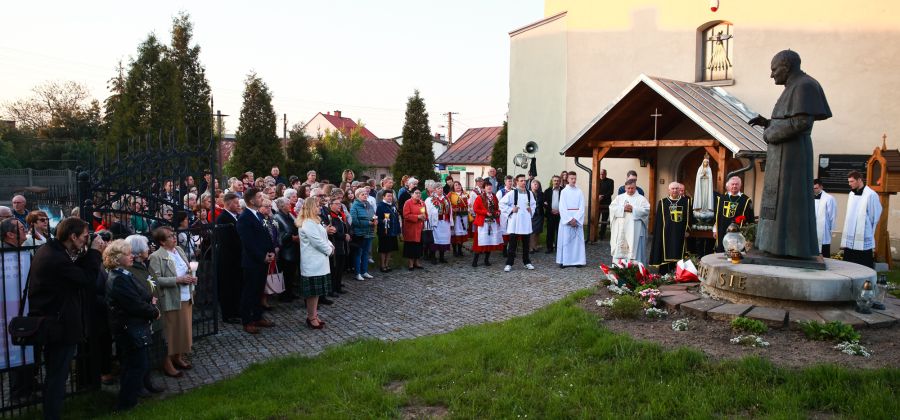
556	363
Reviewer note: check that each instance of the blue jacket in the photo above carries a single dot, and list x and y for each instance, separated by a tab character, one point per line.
361	214
394	219
256	240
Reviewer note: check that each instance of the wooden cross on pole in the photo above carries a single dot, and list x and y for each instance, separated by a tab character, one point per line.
655	115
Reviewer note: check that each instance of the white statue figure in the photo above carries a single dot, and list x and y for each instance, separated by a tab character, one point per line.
703	187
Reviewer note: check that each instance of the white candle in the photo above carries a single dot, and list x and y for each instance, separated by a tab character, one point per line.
193	265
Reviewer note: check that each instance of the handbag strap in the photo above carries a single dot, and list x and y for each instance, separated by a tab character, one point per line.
24	294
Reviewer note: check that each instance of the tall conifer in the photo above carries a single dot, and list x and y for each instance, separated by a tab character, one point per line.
416	157
257	147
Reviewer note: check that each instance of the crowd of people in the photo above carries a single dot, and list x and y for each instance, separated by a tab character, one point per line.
111	280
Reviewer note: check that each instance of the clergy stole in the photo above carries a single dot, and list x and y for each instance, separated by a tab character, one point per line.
670	229
857	207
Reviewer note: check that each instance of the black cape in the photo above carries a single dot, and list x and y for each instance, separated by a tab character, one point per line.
673	218
728	208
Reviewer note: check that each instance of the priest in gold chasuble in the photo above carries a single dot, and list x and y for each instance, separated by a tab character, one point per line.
673	219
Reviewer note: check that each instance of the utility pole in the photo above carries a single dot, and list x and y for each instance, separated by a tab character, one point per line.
450	126
218	130
285	126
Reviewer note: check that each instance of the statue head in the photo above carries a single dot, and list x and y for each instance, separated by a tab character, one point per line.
783	64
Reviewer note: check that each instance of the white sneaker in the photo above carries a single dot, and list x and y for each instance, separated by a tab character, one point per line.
529	266
359	277
371	261
368	276
507	269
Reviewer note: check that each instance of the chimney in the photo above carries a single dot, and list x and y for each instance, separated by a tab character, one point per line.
328	113
337	113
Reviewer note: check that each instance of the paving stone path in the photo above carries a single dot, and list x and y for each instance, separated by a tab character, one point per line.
393	306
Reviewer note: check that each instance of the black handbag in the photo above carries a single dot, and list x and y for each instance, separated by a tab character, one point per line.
30	330
141	335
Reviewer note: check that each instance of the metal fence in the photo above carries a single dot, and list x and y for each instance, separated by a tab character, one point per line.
13	181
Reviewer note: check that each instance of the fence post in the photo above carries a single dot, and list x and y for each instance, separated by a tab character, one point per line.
30	177
84	195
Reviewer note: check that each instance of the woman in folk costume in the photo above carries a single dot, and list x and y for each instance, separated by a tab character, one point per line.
487	236
440	214
459	203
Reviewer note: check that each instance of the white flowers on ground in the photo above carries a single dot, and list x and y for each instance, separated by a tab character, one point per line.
680	324
853	348
750	340
655	313
624	290
605	302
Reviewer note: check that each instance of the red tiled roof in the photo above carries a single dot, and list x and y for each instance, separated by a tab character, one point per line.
377	153
345	125
474	147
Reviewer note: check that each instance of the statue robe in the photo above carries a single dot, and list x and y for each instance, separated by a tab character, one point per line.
728	208
787	224
628	232
570	239
673	217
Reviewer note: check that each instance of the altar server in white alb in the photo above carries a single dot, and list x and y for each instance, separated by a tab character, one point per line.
518	205
570	239
629	218
826	208
863	212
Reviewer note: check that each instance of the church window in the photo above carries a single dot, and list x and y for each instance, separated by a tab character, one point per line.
716	53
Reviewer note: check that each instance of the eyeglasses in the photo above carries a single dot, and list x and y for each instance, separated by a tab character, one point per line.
43	219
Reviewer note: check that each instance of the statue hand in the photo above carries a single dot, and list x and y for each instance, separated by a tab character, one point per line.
759	120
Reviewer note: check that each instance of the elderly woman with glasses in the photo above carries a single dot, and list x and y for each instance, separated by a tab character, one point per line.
131	308
175	288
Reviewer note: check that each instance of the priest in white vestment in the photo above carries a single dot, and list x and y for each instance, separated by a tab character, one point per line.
629	218
570	236
825	213
863	212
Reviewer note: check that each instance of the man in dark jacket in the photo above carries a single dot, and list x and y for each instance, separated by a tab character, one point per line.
229	266
551	210
606	187
257	252
289	250
63	276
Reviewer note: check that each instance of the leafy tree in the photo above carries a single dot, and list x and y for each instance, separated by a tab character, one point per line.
337	151
57	110
498	155
299	155
195	90
257	147
416	157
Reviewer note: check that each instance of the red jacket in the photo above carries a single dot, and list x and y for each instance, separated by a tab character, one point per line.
481	210
412	226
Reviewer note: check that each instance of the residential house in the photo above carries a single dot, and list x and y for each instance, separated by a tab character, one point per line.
470	155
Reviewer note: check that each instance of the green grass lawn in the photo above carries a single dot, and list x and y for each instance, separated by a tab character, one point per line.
556	363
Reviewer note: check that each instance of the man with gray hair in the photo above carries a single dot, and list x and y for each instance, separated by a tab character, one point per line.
20	210
671	227
5	213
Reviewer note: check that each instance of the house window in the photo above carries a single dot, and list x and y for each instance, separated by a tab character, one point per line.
716	55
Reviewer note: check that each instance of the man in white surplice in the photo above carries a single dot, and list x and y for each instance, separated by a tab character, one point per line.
863	212
518	205
629	217
825	214
570	239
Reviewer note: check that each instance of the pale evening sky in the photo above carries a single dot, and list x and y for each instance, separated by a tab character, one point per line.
361	57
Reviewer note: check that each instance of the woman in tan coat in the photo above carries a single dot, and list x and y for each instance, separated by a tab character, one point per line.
175	287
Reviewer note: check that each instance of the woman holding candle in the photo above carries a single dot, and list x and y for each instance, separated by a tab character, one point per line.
414	218
175	287
388	229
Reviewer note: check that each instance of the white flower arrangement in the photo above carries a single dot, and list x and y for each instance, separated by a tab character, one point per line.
750	340
605	302
655	313
152	283
853	348
680	324
624	290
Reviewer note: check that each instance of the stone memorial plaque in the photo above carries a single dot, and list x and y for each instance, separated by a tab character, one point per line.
833	170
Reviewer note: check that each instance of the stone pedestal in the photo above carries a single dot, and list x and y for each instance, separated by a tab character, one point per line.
783	287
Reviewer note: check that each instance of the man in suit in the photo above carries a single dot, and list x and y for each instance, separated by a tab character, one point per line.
257	252
230	274
551	209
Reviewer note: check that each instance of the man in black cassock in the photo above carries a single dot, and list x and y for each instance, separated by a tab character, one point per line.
729	206
673	219
607	191
787	225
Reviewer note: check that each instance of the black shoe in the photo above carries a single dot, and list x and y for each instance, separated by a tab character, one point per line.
475	261
562	266
325	301
549	251
342	291
153	389
442	261
333	295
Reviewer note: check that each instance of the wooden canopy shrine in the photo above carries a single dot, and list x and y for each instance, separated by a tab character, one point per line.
654	113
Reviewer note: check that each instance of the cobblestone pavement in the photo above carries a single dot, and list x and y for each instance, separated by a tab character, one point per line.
393	306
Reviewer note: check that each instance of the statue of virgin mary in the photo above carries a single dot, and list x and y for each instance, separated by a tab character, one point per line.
703	187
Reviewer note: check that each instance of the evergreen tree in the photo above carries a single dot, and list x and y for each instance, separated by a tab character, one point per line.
498	155
337	151
299	157
195	90
257	147
416	157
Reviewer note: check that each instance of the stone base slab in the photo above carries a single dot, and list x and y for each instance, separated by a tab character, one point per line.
728	311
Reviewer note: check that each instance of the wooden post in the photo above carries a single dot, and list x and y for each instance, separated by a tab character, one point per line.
651	193
882	238
594	220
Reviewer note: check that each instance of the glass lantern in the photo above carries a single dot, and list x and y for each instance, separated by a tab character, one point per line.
881	288
734	242
866	297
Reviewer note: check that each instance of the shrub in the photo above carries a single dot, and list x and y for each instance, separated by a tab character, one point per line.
750	340
829	331
626	307
748	325
682	324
